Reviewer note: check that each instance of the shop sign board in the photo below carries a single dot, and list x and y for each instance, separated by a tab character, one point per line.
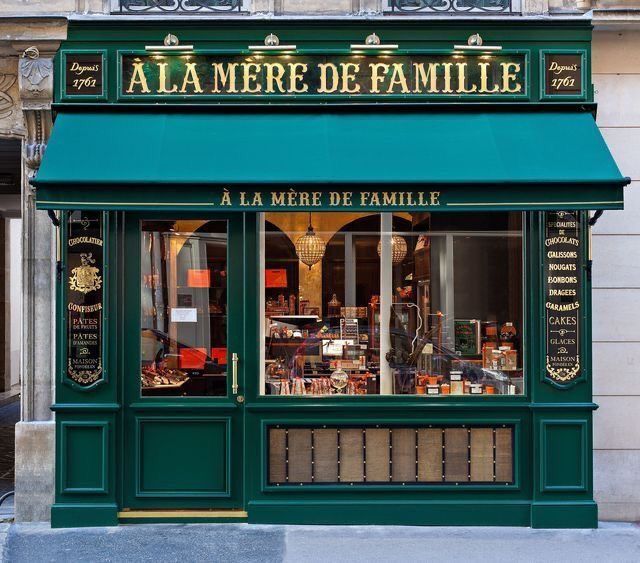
562	286
84	297
302	199
84	74
563	74
210	75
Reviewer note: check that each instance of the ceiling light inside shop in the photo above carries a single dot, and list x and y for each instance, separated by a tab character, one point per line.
398	249
310	247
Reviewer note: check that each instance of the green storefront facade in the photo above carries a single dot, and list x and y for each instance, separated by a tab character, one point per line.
175	170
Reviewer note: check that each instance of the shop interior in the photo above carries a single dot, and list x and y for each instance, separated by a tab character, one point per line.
437	297
351	304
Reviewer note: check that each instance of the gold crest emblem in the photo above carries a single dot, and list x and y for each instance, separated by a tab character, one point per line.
85	278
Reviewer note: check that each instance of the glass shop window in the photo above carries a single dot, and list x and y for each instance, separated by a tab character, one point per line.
392	304
183	308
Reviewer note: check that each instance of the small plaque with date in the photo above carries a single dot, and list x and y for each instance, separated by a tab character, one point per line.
563	74
83	74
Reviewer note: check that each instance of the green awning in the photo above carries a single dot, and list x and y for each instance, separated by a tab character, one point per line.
150	159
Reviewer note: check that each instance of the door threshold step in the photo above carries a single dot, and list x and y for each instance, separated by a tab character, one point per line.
169	514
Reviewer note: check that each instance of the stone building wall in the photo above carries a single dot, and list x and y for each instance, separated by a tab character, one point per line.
616	281
27	46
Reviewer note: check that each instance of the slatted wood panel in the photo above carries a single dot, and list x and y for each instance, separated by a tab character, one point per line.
351	455
445	455
377	455
482	454
404	455
456	465
325	450
299	444
430	455
504	454
277	455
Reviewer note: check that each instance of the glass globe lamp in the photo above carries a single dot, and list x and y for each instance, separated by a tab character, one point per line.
398	249
310	247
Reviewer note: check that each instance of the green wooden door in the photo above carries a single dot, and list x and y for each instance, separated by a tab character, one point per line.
182	363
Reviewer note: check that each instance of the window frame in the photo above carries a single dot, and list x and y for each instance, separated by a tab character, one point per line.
530	343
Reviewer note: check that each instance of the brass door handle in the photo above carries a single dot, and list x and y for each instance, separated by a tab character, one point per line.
234	373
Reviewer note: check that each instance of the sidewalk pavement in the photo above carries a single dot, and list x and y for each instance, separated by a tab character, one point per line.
230	543
6	509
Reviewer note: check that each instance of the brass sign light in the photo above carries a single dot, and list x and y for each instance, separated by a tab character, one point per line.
272	43
476	43
171	43
373	43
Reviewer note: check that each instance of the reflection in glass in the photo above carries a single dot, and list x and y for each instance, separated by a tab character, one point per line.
456	323
320	321
403	303
184	308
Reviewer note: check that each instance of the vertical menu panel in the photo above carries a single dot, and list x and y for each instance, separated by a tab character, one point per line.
562	296
84	298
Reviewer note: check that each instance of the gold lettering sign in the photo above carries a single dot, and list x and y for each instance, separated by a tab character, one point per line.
210	75
562	283
302	199
563	74
84	294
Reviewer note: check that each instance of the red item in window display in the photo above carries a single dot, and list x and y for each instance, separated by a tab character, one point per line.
219	355
192	358
298	387
198	278
275	278
404	292
508	333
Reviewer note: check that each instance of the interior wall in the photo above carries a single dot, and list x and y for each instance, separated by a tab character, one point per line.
325	224
294	225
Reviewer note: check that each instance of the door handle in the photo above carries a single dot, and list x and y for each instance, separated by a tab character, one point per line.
234	373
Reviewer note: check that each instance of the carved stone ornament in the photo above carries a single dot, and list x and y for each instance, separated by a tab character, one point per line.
36	75
6	101
35	80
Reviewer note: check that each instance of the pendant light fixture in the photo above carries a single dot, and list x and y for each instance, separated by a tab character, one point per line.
398	249
310	247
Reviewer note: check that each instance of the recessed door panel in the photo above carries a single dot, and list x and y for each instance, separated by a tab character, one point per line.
183	456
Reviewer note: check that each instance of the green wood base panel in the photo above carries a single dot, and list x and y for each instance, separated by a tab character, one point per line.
83	515
564	515
411	513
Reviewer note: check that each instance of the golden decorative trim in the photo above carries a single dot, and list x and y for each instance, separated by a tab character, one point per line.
94	203
489	203
206	204
183	514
